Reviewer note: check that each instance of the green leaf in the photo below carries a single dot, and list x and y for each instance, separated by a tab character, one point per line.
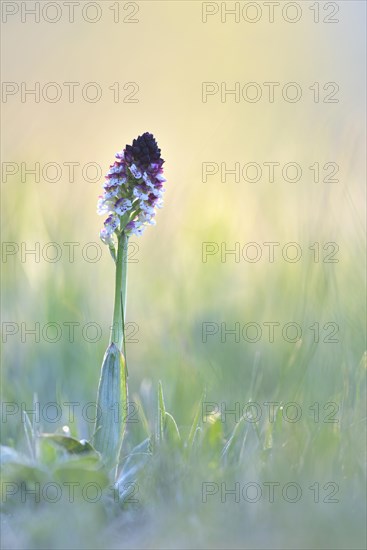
161	412
197	437
142	417
113	252
83	461
16	480
212	440
48	453
171	430
81	477
234	447
213	432
111	406
29	434
70	444
22	472
195	423
134	464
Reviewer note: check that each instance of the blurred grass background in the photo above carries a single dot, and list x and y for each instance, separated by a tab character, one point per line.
171	292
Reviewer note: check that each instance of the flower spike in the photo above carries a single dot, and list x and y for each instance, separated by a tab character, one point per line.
133	189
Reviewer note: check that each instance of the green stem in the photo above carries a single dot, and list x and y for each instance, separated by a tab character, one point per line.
119	310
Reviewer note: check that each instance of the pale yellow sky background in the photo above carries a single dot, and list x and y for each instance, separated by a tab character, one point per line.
169	53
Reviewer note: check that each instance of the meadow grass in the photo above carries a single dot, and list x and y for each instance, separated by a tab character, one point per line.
170	489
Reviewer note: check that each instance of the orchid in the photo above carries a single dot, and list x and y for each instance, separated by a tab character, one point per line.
133	189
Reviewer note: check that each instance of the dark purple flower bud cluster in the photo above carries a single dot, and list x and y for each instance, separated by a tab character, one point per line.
143	152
